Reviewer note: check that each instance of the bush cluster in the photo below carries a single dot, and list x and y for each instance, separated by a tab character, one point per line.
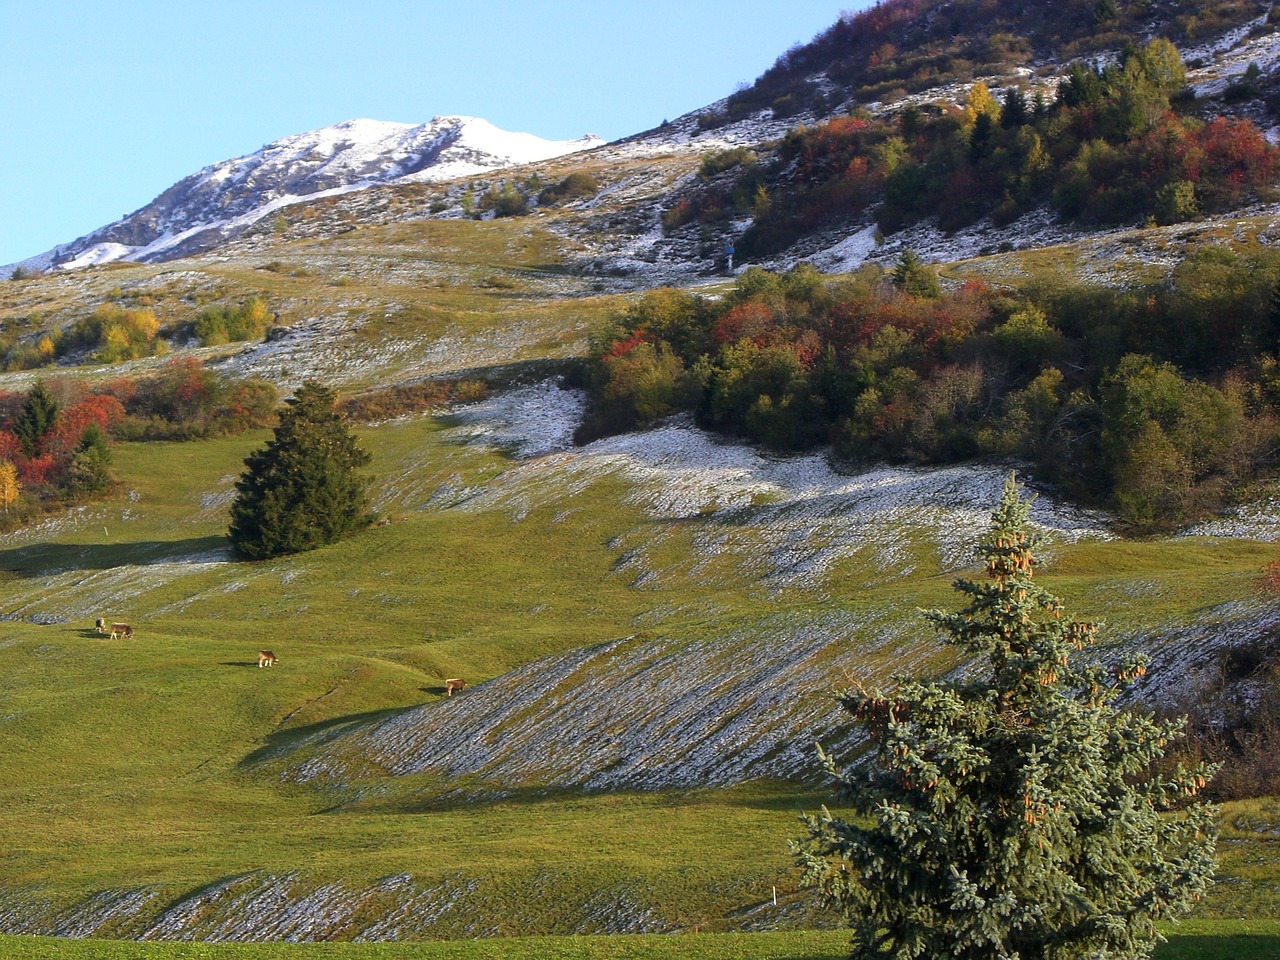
1155	403
575	186
114	332
508	198
505	200
55	439
187	401
731	182
53	446
904	46
225	324
1112	147
111	333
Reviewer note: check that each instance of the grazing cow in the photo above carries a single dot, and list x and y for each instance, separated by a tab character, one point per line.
121	630
102	625
266	659
454	684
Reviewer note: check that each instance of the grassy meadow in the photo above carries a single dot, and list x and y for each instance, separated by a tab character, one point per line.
143	767
130	762
1224	940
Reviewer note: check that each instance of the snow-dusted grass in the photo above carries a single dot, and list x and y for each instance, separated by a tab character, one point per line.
812	517
650	612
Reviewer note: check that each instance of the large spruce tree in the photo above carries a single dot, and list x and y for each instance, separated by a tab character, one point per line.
1017	814
302	490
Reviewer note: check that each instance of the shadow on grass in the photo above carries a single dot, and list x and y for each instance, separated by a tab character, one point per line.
44	558
1226	947
279	741
239	663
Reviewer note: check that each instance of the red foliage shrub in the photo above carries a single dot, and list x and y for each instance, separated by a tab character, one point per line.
122	389
622	347
100	410
39	471
809	347
1236	155
10	446
747	321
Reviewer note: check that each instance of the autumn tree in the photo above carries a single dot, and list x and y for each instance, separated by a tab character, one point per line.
1016	814
302	490
9	486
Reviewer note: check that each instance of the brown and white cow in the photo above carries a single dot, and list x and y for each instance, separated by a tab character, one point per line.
266	659
454	683
121	630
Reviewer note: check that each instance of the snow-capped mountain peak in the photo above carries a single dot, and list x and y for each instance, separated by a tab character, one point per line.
223	199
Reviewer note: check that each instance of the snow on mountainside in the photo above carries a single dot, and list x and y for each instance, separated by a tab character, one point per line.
224	199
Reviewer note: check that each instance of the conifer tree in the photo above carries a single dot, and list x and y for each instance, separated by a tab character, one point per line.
302	490
913	277
90	469
35	420
1017	814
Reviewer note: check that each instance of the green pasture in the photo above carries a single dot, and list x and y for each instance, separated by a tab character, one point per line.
1193	940
129	763
134	763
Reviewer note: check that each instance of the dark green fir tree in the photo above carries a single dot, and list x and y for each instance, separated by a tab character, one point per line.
1017	814
913	277
35	420
302	490
90	470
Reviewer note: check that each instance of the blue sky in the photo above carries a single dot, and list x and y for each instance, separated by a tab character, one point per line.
106	103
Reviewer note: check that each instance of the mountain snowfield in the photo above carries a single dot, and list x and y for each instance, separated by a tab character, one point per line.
222	200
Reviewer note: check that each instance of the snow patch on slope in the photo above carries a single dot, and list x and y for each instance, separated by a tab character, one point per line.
651	712
812	514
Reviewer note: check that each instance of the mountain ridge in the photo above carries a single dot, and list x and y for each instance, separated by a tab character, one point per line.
222	200
809	84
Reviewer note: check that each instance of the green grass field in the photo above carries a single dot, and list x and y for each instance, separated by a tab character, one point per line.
150	767
127	761
1226	940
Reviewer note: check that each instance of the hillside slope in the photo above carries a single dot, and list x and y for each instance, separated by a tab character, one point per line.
651	625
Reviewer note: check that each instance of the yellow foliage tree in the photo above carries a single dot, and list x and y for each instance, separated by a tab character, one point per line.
143	325
9	486
980	102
